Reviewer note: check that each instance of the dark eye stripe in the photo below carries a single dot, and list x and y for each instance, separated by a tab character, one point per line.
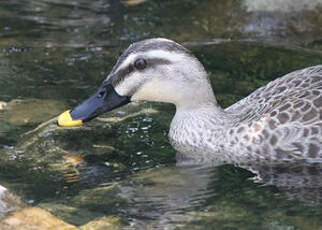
123	73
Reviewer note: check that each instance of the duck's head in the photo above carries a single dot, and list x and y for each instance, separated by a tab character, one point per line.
150	70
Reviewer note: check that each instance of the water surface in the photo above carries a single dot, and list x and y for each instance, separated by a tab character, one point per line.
54	54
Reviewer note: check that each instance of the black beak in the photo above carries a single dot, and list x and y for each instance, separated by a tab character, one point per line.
103	100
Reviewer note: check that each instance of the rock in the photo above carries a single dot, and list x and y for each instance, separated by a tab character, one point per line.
8	202
99	198
104	223
282	5
34	219
3	194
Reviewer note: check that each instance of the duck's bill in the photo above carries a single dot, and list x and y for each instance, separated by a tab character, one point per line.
104	100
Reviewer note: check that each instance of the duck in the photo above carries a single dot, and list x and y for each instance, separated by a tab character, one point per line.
278	122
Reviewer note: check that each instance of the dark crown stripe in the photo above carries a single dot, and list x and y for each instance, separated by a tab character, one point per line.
148	45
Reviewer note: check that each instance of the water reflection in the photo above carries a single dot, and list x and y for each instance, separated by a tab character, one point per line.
41	23
297	181
173	197
163	196
57	23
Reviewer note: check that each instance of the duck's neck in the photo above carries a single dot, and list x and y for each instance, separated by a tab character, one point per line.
200	96
198	132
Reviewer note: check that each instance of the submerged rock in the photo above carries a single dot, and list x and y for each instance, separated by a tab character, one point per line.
82	163
74	215
104	223
30	111
57	146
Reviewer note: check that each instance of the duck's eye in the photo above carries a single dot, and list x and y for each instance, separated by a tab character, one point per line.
140	63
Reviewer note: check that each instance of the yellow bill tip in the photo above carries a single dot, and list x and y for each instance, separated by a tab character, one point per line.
66	120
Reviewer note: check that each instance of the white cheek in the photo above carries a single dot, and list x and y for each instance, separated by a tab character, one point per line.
157	90
122	89
126	87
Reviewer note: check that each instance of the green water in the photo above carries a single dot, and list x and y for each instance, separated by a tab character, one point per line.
54	54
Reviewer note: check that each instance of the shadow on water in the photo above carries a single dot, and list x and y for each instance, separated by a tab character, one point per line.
225	197
53	54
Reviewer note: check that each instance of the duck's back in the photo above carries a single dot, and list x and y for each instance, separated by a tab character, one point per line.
282	120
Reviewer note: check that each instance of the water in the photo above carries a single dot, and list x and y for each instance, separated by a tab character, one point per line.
54	54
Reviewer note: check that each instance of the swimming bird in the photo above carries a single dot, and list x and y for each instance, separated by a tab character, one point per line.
279	122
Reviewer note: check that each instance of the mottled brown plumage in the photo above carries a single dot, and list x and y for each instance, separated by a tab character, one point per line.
283	120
